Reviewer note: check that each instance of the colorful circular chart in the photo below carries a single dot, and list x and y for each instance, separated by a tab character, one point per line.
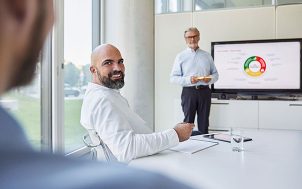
254	66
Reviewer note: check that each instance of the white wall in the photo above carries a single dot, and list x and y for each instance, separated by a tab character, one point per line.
129	24
236	24
168	42
216	25
288	21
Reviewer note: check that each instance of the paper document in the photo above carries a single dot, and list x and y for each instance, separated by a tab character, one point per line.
193	145
204	77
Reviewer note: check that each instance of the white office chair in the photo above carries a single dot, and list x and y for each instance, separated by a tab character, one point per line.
98	149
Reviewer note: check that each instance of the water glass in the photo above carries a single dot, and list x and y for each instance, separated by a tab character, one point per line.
237	141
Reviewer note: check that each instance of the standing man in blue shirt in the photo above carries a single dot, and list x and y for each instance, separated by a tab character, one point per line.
194	70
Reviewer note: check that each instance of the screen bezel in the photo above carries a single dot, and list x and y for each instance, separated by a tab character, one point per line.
258	91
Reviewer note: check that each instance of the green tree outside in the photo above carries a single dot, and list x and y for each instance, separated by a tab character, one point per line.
71	74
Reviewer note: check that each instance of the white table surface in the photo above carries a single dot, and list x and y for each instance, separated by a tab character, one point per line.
273	160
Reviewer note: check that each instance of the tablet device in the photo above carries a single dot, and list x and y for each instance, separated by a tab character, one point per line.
223	137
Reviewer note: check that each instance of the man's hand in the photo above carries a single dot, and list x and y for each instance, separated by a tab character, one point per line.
184	131
206	79
194	79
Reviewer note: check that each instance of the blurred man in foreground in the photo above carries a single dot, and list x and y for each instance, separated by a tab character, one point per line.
24	25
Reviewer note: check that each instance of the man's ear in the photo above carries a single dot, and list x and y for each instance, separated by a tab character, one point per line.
13	35
16	21
17	9
20	16
23	11
92	69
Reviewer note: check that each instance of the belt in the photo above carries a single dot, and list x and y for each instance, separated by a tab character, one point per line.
199	87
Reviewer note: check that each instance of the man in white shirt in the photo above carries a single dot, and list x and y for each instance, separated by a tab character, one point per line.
107	112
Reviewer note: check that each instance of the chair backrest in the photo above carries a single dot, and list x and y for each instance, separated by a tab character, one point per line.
99	150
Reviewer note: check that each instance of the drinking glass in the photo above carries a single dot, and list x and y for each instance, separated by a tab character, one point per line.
237	140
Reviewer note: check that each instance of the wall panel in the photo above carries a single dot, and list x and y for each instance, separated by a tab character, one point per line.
288	21
169	41
235	24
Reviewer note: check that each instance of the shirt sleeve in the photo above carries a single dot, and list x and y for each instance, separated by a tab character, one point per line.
115	130
213	71
176	75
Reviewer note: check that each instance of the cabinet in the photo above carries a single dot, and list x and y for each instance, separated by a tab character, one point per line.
233	113
261	114
280	115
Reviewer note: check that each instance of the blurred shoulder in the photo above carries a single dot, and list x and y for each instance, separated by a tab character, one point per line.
38	170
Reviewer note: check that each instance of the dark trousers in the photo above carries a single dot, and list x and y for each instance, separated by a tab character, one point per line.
197	101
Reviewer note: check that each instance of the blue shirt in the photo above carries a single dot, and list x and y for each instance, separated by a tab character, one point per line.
12	137
190	63
22	167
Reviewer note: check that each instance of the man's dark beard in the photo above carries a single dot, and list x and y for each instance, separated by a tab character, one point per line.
110	83
25	72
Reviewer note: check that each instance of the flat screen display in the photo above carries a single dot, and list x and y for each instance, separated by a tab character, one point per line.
255	66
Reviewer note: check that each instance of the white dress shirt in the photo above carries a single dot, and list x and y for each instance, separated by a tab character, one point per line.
107	111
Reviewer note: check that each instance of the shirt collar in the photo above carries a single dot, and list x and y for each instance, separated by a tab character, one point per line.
102	87
191	50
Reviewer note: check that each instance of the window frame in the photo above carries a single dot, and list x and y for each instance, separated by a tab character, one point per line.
56	131
46	100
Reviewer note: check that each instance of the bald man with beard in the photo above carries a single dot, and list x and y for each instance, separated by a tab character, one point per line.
107	112
24	25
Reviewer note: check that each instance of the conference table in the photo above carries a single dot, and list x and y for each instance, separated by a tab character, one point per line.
273	160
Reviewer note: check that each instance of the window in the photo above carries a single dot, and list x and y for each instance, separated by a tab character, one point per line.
282	2
34	106
77	50
209	4
173	6
170	6
25	105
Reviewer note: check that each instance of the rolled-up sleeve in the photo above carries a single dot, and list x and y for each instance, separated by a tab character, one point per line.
124	142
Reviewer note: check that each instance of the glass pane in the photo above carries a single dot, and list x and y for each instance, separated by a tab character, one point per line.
282	2
25	105
77	49
173	6
247	3
216	4
160	6
209	4
165	6
187	5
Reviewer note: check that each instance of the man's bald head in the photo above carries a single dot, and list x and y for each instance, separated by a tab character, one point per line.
102	51
107	66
